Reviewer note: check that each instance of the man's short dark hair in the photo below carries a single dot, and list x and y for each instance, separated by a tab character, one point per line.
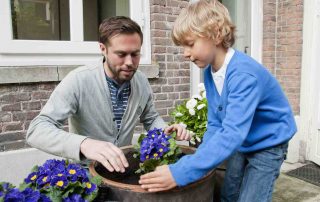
117	25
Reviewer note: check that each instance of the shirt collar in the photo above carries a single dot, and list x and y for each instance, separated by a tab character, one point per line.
222	71
116	84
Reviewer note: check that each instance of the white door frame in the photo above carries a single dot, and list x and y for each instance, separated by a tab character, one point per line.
310	87
256	42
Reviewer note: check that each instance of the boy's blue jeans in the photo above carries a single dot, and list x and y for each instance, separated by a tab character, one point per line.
250	177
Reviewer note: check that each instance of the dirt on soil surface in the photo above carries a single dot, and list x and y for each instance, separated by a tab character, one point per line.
128	177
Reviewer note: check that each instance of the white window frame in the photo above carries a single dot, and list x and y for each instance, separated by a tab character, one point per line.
76	51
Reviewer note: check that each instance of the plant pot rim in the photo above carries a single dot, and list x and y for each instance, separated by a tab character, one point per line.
137	188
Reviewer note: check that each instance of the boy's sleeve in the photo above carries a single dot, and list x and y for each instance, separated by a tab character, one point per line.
221	142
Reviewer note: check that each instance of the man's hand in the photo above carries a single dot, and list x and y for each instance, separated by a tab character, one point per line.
182	132
106	153
158	180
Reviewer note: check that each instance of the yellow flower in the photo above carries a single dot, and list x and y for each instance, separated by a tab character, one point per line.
33	177
72	171
88	184
59	183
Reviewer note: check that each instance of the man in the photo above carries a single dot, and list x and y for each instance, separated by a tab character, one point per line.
103	103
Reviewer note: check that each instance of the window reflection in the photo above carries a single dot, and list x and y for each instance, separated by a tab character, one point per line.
40	19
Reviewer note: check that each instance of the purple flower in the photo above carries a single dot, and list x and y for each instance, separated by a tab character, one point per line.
14	195
74	172
59	181
44	198
74	198
43	180
32	177
90	187
30	195
154	145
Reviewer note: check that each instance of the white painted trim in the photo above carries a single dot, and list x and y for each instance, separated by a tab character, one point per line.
140	12
294	145
256	29
16	165
309	87
194	78
76	24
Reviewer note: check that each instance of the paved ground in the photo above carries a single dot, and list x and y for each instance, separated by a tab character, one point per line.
290	189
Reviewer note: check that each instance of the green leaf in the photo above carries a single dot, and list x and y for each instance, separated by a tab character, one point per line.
55	195
141	137
91	196
35	168
96	180
24	185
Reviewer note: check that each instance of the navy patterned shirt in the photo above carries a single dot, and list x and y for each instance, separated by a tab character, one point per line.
119	98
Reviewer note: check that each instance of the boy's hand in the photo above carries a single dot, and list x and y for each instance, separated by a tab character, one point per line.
182	133
158	180
109	155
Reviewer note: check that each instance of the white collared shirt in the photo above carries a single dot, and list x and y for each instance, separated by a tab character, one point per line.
219	76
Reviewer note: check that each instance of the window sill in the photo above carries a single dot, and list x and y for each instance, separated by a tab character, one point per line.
32	74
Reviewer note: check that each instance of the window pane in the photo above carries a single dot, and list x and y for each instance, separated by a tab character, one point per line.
40	19
95	11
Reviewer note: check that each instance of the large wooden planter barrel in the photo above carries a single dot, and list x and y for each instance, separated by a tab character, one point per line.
113	190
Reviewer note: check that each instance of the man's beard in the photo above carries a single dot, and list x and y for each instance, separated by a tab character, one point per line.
117	74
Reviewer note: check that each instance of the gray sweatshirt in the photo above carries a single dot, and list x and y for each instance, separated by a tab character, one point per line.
83	98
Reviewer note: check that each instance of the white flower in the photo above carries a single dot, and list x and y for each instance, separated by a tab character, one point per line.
183	124
204	94
198	139
191	103
197	96
201	87
191	133
178	114
192	112
201	106
192	141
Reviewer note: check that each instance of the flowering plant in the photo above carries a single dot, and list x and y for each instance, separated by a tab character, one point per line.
55	180
155	149
192	114
9	193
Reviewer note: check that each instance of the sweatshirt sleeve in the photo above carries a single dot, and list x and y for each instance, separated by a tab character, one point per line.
220	142
46	130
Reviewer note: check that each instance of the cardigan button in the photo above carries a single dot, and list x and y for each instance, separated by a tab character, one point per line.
220	108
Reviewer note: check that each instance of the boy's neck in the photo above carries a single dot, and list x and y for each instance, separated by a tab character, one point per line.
219	59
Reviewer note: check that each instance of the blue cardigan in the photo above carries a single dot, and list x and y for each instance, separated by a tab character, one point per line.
251	114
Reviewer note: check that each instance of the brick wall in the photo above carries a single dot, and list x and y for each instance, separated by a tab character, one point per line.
282	45
174	83
19	104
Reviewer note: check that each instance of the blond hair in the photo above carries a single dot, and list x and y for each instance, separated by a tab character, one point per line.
204	18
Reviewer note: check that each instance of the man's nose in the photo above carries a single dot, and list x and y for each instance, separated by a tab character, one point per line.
128	60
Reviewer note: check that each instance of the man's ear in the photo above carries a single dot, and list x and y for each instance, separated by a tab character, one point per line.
103	48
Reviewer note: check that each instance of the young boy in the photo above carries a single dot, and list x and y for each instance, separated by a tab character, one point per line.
249	117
